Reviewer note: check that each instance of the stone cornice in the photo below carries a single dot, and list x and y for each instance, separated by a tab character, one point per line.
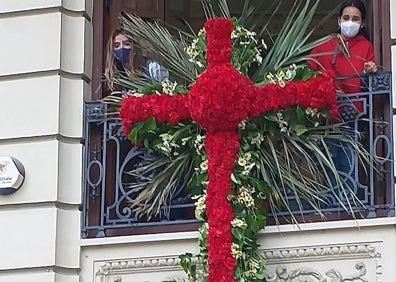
282	264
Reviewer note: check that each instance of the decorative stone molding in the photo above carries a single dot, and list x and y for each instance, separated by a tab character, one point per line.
312	263
303	274
159	265
141	265
327	251
325	263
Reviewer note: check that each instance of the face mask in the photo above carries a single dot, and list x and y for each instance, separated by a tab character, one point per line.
349	29
122	55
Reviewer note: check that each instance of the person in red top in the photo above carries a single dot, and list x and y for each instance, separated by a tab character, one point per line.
349	52
346	54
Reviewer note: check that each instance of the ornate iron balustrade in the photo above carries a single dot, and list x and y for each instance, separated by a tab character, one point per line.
108	155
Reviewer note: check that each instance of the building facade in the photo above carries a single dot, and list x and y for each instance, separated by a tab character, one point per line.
46	76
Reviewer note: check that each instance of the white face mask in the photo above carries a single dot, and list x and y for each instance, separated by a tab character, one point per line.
349	29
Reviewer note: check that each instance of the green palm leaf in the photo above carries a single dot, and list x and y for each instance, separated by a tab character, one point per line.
155	193
292	44
282	155
161	43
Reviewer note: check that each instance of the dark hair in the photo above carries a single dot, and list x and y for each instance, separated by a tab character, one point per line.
358	4
354	3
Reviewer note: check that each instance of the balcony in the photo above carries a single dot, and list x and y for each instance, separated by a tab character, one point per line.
108	156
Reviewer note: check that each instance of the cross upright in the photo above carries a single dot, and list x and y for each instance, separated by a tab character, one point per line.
219	100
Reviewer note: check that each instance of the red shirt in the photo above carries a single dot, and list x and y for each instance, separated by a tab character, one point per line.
336	62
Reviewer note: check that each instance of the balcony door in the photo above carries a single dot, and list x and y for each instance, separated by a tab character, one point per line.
378	22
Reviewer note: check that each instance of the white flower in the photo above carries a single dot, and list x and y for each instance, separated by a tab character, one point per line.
236	253
137	94
204	165
234	35
200	138
202	32
279	115
253	267
281	122
283	129
236	222
168	87
290	74
199	64
263	44
248	168
242	161
242	124
166	147
199	144
258	139
247	156
244	197
200	203
259	59
311	111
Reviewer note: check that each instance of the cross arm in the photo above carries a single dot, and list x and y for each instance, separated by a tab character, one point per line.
317	92
163	108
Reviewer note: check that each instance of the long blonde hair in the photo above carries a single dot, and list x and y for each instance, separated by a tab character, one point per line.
111	71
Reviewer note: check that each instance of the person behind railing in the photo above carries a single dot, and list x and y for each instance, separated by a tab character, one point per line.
121	60
348	53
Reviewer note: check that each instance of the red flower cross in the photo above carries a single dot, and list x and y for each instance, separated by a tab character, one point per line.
219	100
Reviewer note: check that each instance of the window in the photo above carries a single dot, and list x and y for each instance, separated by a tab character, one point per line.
107	153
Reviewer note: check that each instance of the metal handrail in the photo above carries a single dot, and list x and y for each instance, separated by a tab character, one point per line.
108	154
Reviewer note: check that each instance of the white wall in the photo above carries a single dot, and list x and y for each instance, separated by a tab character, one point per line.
364	249
45	63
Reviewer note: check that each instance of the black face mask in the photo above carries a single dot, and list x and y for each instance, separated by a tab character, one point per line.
122	55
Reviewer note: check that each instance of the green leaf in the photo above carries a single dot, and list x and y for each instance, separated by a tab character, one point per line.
235	179
300	113
238	233
133	135
149	125
260	275
300	129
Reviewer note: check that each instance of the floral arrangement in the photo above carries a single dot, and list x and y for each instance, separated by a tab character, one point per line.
225	105
241	126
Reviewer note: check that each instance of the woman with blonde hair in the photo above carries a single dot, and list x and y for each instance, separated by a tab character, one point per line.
121	61
119	58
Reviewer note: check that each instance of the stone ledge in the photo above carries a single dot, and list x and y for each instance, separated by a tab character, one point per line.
346	224
344	262
40	6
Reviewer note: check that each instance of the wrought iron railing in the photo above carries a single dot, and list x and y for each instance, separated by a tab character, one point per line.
108	156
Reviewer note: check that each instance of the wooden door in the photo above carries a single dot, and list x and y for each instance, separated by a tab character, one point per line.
378	23
147	9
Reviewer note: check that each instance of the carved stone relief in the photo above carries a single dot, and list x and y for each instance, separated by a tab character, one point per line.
158	269
282	274
330	263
